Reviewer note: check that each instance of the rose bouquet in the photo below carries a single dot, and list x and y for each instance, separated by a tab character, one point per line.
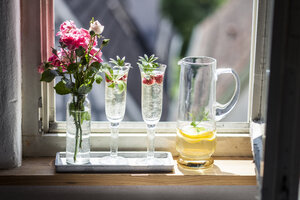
77	62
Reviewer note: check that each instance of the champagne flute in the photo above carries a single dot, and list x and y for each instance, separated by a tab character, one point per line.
115	103
152	75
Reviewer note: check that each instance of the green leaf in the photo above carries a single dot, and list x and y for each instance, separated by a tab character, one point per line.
199	129
90	72
112	85
80	51
118	61
98	79
72	107
62	45
121	86
92	20
48	75
72	67
84	89
61	88
69	83
193	123
85	116
54	51
104	43
92	33
108	77
148	64
84	60
96	65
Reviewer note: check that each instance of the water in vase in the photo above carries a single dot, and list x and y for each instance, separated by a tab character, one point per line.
83	154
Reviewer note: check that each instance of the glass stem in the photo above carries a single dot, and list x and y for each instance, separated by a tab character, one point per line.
150	140
114	128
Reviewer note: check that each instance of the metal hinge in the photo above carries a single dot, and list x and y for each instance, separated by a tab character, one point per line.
40	121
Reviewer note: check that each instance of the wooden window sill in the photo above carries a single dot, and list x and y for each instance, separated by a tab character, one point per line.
41	171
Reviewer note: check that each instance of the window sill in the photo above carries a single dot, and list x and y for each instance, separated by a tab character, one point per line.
41	171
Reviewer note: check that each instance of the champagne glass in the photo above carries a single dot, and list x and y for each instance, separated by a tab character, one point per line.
152	76
115	103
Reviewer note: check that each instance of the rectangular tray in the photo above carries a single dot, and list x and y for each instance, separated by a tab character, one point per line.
163	163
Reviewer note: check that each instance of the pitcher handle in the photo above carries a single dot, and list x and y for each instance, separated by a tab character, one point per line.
223	109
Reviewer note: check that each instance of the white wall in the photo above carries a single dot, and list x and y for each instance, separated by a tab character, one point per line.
10	84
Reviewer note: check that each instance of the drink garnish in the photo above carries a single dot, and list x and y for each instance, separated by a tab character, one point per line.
149	64
115	78
202	117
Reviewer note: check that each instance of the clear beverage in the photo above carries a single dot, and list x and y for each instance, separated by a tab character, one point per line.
195	146
115	105
198	110
152	94
115	102
83	152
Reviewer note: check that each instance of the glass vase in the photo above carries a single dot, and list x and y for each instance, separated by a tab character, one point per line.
78	130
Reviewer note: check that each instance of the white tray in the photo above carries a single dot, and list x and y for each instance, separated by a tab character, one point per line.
135	162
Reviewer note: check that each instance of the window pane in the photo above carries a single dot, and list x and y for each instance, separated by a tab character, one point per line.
170	29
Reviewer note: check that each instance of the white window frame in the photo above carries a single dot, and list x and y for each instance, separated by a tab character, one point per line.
42	136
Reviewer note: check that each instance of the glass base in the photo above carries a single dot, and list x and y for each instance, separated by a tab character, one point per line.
113	160
195	164
150	161
79	160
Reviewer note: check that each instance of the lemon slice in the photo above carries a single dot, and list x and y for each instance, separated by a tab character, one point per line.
196	134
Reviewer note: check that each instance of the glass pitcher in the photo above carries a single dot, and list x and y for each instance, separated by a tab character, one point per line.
198	110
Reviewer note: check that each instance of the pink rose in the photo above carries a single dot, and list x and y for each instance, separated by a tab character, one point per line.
41	68
54	60
76	38
66	27
96	54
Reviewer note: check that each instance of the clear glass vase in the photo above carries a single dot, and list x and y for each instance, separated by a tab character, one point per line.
78	130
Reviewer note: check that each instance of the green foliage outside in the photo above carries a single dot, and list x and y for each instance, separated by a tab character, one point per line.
186	14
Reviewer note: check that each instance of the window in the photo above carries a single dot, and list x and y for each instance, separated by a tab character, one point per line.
46	136
137	25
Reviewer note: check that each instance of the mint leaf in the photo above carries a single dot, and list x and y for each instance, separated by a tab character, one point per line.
148	64
118	62
121	86
193	123
112	85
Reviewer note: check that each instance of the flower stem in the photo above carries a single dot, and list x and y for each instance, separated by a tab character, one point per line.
76	139
80	129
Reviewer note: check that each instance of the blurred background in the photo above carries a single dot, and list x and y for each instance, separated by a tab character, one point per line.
170	29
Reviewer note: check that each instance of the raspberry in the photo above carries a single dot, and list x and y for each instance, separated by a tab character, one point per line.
159	78
107	80
148	81
123	78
